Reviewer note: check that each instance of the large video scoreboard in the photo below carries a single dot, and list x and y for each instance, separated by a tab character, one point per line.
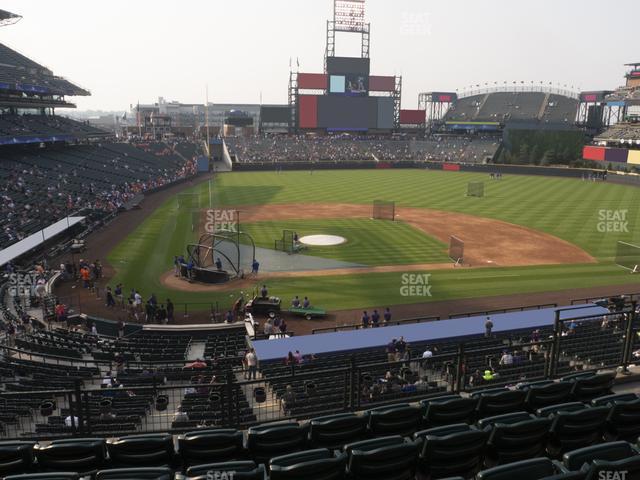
346	103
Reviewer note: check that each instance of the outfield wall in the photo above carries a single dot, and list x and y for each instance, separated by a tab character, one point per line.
479	168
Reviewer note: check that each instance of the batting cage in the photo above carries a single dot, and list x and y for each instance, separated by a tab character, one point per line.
628	256
287	242
384	210
475	189
456	250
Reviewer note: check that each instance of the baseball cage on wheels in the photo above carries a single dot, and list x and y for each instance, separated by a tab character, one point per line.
384	210
475	189
287	243
456	250
628	256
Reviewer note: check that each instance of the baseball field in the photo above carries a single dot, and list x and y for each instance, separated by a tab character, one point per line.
527	234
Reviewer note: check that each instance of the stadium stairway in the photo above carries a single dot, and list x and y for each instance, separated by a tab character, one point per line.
484	100
268	410
543	107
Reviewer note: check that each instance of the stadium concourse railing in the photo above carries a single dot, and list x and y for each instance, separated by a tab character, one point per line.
225	396
404	321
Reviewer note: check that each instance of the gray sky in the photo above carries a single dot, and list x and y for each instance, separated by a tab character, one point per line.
130	50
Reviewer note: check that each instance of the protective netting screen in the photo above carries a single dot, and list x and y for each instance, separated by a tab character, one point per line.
384	210
456	249
286	243
475	189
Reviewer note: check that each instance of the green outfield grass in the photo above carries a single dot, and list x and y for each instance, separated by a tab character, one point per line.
566	208
369	242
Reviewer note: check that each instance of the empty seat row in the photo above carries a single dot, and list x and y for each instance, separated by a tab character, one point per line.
390	458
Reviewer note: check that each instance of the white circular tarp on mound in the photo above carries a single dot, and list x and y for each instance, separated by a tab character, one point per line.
322	240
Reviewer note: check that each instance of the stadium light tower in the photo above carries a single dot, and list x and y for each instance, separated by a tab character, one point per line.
348	17
8	18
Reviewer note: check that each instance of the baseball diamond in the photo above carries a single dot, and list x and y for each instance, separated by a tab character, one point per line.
217	267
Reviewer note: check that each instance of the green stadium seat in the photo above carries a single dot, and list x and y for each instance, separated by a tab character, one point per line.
576	429
318	464
588	387
45	476
16	456
151	450
82	455
499	402
448	409
447	451
211	445
546	394
336	430
514	437
151	473
401	419
385	458
275	439
532	469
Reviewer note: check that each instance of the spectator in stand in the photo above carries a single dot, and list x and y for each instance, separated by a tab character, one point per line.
506	359
401	347
121	326
11	332
391	351
268	327
61	313
218	264
291	359
229	317
180	416
288	399
252	363
283	327
298	356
